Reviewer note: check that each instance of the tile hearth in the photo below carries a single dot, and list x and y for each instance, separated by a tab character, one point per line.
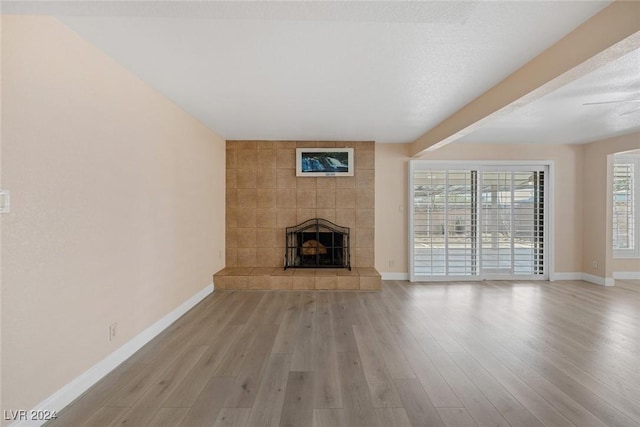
266	278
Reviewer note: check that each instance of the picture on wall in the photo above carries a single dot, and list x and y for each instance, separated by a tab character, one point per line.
324	162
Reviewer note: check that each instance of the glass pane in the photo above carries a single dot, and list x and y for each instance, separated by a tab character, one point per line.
429	194
513	223
460	249
497	228
443	223
623	206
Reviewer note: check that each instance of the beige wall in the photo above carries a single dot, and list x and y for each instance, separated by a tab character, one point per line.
392	250
264	196
117	207
619	265
597	205
391	196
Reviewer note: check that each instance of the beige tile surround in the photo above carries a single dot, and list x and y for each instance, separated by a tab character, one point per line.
276	278
263	196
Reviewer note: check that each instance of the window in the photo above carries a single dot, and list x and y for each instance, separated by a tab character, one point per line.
626	207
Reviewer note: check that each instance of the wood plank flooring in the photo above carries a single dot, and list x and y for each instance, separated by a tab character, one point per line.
438	354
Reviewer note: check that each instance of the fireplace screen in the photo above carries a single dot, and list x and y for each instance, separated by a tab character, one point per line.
317	243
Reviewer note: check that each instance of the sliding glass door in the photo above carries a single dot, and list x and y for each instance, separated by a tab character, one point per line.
477	222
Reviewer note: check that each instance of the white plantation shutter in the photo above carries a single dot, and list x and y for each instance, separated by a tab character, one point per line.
477	222
625	231
443	223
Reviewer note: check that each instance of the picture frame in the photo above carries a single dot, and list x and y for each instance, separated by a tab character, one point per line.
321	162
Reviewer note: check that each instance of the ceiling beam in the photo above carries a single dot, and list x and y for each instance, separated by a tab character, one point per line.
608	35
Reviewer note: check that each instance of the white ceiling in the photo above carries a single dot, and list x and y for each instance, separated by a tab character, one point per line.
381	70
563	117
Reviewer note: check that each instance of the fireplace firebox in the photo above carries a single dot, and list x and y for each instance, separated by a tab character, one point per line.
317	243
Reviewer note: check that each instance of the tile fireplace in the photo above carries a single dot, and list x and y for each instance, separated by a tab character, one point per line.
265	197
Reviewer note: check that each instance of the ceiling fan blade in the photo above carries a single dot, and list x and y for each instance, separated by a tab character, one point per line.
612	102
635	110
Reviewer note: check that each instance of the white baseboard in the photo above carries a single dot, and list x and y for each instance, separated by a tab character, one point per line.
425	279
565	276
602	281
626	275
71	391
395	276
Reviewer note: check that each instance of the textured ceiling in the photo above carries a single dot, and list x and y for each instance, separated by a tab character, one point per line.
563	117
383	71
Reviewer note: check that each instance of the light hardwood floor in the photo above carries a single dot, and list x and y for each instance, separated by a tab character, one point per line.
439	354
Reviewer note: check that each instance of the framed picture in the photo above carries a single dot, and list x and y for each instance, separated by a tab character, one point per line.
324	162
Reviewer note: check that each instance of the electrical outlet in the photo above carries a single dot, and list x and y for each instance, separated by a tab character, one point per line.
113	329
594	264
5	205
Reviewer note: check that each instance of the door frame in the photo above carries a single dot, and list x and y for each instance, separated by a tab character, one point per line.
549	212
